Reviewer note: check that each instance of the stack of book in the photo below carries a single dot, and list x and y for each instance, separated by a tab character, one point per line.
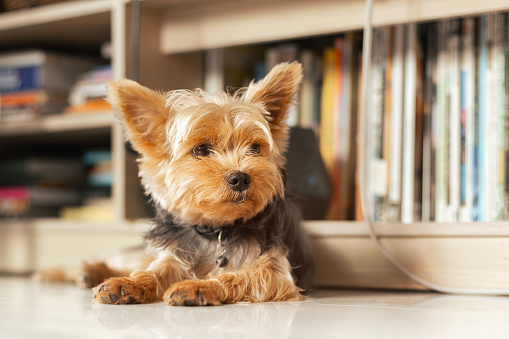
39	187
35	83
97	203
88	93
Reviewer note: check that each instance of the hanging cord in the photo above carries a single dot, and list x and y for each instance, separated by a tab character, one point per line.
364	170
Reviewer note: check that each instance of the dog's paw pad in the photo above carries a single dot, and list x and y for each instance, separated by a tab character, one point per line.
120	291
192	293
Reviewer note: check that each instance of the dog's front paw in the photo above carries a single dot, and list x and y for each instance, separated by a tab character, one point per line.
193	293
139	288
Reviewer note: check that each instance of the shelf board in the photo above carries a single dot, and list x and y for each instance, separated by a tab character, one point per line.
60	123
62	225
51	13
345	256
324	229
194	25
65	24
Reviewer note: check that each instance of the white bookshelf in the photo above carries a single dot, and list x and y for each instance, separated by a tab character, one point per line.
174	35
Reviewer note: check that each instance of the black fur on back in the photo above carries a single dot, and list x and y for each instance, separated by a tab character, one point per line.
277	226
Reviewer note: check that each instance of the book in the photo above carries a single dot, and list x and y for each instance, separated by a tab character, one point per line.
378	165
429	122
442	123
99	168
468	122
309	108
329	137
16	201
409	111
480	212
36	169
35	83
396	124
37	69
498	163
29	104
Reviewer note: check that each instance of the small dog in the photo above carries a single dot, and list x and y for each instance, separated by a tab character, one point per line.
227	228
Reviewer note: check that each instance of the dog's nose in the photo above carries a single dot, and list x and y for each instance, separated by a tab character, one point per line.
238	181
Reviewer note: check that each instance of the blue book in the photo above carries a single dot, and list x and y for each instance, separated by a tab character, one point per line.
13	79
37	69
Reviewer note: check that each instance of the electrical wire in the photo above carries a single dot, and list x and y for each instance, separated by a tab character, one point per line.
364	171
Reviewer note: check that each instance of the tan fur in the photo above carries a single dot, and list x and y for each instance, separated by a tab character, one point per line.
244	132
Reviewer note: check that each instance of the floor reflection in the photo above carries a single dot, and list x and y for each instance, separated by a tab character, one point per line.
359	314
263	320
51	311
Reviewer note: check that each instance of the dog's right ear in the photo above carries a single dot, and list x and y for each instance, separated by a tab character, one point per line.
143	112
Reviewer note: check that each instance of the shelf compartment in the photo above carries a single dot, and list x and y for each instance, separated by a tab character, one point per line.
64	24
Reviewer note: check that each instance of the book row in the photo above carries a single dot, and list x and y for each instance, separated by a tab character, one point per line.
438	119
57	187
36	83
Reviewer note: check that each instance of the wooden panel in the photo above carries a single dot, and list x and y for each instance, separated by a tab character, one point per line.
224	23
329	228
465	263
29	245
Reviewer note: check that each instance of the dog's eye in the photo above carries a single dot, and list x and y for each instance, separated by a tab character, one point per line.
254	149
203	150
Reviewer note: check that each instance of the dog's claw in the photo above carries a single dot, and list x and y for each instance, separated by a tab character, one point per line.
106	301
188	302
200	297
114	297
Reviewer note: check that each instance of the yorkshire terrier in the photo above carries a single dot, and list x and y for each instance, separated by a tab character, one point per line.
227	228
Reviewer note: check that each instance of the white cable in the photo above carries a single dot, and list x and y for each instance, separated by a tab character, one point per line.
363	169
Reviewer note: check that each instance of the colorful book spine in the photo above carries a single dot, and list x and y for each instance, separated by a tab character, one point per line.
409	107
482	173
499	75
396	123
454	102
467	119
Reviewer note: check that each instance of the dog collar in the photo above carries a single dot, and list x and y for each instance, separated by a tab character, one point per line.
207	232
214	234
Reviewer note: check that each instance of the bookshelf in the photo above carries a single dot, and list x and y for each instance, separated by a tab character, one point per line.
470	255
82	27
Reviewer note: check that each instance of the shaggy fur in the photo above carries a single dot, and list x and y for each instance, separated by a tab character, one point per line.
227	228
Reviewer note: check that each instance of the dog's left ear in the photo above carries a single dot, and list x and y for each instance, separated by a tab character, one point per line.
143	112
276	91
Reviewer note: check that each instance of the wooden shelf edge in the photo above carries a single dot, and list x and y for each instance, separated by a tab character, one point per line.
60	123
229	23
51	13
316	229
320	229
62	225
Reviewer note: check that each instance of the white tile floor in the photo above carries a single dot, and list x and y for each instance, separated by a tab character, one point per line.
30	310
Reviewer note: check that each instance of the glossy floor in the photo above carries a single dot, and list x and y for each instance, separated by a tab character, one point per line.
30	310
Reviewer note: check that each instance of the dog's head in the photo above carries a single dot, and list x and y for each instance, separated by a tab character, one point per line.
210	159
